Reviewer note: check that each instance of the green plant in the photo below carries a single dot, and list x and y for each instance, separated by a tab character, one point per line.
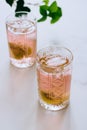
46	10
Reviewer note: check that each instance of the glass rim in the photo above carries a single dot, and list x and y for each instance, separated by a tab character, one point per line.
59	47
27	16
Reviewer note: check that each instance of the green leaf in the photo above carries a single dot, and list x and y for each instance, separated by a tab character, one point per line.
53	7
42	19
46	2
20	6
56	16
10	2
22	9
43	10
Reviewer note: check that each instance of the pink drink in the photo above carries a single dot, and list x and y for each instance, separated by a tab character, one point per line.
54	81
21	35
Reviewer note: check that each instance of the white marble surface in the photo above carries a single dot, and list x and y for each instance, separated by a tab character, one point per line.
19	108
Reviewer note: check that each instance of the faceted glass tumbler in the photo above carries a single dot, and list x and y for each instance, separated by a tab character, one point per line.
22	37
54	67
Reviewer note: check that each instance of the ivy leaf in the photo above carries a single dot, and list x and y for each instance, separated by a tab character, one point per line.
21	7
53	7
42	19
10	2
55	12
20	3
43	12
56	16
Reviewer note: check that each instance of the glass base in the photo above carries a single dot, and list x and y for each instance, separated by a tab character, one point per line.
24	63
54	107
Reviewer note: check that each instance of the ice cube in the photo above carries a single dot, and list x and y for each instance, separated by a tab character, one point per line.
56	61
21	27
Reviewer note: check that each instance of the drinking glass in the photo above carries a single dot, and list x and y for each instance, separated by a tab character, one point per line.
54	67
22	36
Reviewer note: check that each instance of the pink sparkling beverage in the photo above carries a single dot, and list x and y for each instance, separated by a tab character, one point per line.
54	77
21	34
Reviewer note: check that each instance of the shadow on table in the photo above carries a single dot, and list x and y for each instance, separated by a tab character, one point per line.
59	120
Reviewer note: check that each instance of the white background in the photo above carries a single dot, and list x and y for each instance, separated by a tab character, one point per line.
19	108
